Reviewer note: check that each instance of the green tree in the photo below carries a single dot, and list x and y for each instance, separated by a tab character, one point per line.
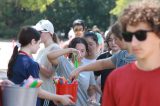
120	5
93	12
12	18
17	13
35	4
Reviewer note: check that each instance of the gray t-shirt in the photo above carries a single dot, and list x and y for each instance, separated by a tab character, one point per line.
85	79
42	59
121	58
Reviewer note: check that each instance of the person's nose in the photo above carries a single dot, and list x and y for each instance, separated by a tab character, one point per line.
134	41
113	41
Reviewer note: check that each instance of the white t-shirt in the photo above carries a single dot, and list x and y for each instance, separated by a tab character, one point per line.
87	61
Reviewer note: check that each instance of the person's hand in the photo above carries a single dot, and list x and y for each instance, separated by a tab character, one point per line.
74	74
92	102
75	51
64	100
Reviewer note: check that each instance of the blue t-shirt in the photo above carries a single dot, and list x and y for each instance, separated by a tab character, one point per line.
23	68
121	58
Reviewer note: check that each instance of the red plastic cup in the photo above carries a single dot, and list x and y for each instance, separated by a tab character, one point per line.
69	89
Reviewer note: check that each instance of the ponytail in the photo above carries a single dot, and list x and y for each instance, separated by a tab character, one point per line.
11	62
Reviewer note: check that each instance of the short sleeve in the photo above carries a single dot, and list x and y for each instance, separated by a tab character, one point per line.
114	58
33	70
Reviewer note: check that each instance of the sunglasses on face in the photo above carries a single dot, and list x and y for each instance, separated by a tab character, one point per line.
140	35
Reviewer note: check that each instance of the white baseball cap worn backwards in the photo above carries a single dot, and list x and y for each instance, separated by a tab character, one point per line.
44	26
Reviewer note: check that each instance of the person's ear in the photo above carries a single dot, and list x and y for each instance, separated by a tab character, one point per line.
33	42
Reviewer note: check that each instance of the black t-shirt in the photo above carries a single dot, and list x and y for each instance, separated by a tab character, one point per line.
104	73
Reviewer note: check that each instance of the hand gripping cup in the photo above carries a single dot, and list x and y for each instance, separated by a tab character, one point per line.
64	87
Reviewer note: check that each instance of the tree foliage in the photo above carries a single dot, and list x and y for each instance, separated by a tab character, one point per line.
17	13
94	12
11	18
35	4
120	5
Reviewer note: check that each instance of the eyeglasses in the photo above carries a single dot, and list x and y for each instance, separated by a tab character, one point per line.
140	35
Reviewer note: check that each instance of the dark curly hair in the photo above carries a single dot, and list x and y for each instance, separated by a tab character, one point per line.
144	11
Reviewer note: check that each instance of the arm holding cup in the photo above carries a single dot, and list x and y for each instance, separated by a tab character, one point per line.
95	66
57	99
53	55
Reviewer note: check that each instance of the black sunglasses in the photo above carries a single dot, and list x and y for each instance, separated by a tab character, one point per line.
140	35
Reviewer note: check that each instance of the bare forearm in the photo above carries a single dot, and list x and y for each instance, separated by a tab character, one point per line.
57	99
95	66
98	65
45	71
56	53
46	95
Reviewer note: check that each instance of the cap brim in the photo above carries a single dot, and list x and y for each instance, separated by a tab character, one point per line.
44	31
37	27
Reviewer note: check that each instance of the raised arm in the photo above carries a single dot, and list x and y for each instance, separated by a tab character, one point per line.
53	55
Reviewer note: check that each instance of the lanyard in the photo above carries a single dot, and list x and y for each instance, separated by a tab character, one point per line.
24	53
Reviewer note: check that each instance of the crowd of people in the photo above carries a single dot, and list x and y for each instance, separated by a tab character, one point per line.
119	69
